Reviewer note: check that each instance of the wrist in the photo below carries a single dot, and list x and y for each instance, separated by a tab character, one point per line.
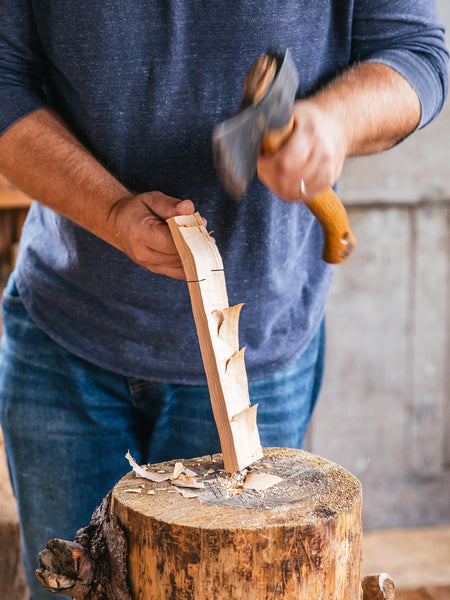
335	123
114	217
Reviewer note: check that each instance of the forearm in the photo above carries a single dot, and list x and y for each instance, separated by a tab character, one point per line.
374	106
40	155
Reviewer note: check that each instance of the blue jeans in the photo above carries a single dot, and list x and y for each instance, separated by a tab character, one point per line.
68	425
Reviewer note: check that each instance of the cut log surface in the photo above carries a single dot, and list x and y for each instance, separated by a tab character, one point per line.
217	329
299	538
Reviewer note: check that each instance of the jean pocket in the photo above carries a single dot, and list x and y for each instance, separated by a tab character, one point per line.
11	296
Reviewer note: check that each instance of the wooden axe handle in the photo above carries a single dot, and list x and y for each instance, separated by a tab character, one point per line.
332	216
326	206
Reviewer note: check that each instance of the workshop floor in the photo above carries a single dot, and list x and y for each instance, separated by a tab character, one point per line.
417	559
429	593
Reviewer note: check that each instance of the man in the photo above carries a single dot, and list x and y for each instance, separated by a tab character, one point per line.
106	114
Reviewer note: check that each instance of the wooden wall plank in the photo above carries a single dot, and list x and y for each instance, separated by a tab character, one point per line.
428	371
383	410
360	415
446	417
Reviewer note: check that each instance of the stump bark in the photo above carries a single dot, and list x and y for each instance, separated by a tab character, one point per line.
299	538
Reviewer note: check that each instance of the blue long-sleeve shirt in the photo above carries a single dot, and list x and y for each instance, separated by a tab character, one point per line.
142	85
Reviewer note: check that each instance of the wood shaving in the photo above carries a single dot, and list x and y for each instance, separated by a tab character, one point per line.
177	470
261	481
190	473
133	490
151	492
186	481
141	472
189	493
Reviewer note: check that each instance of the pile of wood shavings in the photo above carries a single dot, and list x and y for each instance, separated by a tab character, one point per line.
189	486
183	478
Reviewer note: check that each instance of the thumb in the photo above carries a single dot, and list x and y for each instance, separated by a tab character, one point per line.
165	206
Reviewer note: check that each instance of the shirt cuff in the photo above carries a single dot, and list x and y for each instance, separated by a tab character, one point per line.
17	102
429	87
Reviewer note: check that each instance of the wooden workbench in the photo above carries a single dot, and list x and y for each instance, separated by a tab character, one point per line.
14	206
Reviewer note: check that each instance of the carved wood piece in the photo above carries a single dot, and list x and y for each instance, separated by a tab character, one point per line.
217	329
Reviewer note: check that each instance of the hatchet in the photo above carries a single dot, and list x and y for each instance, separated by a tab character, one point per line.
264	123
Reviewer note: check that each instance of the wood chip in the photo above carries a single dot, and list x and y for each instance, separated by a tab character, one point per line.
190	493
186	481
133	490
190	473
261	481
177	470
141	472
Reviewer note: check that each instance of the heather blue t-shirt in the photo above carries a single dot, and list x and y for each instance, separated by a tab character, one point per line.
142	84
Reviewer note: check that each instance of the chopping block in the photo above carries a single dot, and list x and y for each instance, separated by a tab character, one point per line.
154	540
300	538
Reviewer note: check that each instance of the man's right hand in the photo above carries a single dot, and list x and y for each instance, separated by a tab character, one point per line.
142	233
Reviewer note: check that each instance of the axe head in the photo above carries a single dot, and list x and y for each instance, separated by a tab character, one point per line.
236	142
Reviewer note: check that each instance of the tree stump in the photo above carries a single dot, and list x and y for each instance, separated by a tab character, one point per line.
299	538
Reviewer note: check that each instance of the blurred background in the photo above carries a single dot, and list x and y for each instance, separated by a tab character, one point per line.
384	410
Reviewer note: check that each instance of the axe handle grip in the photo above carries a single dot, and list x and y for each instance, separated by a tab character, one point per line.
326	206
332	216
273	139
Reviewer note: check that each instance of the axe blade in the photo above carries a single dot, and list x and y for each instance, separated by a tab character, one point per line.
235	150
236	141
